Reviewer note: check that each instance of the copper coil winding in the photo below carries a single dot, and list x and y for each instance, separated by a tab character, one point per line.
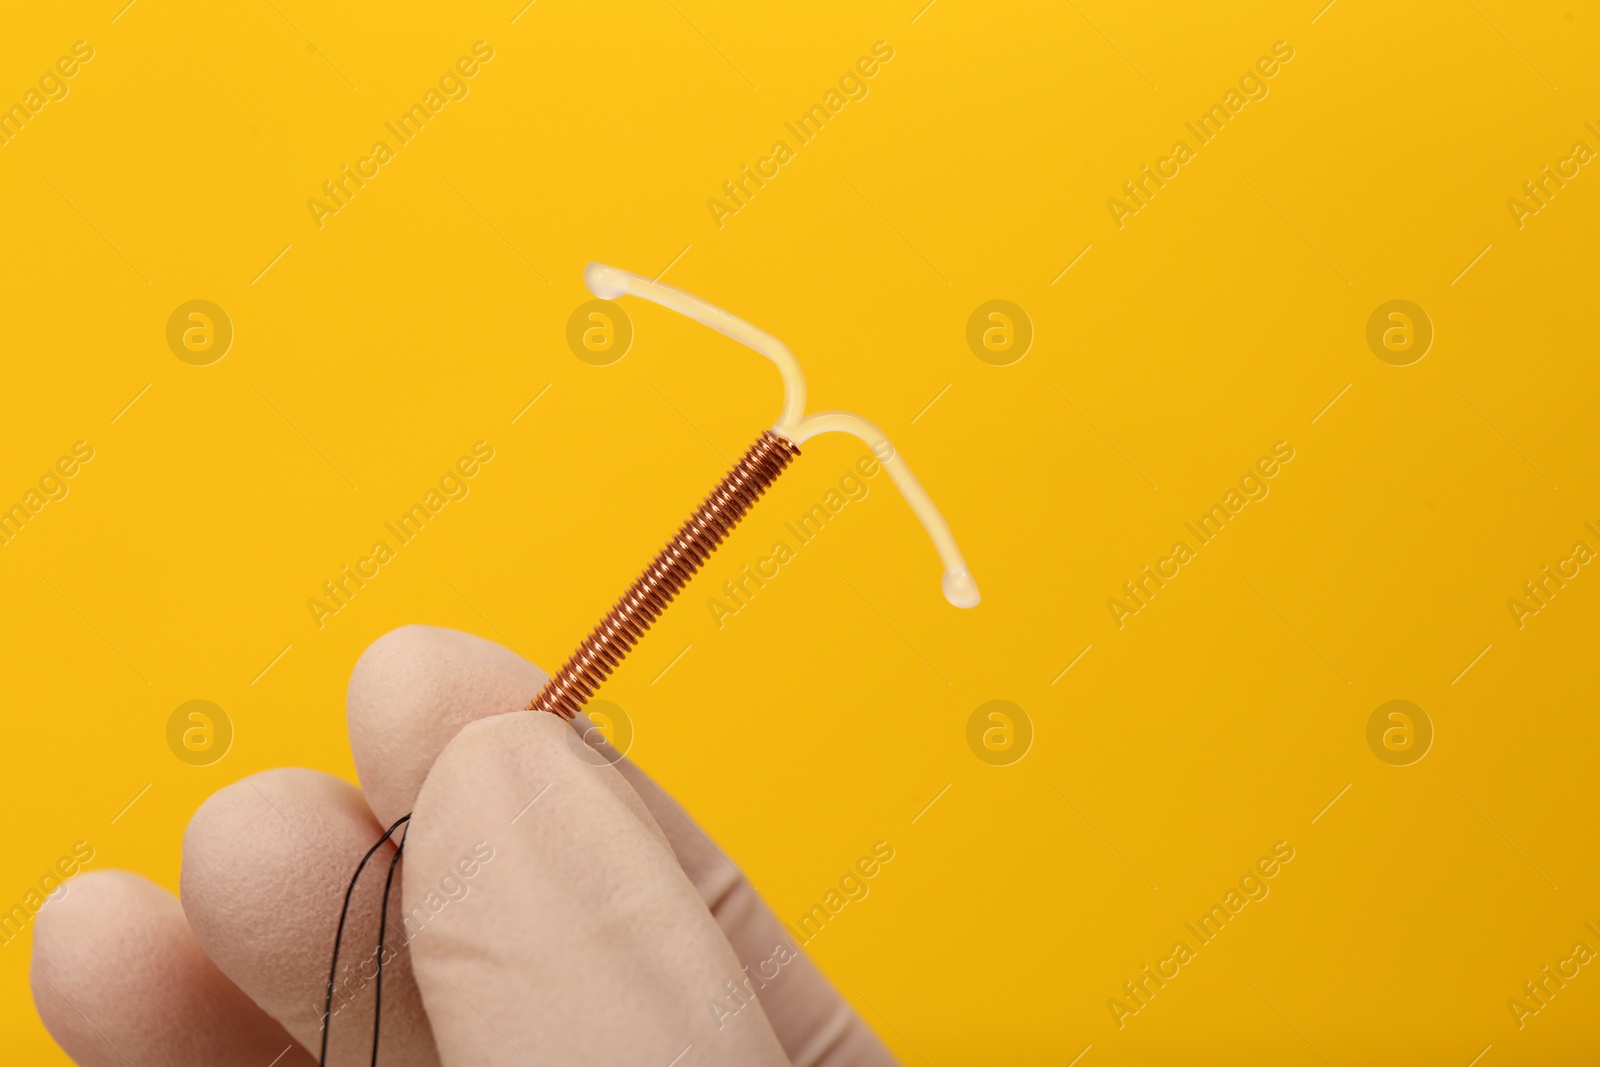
570	688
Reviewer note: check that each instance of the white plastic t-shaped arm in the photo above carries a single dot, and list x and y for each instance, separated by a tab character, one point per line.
608	283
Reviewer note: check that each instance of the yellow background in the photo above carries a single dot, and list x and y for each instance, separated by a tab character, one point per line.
1222	318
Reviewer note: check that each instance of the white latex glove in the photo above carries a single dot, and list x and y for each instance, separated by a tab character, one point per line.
553	908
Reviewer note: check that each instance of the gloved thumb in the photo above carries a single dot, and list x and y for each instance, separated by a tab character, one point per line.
577	937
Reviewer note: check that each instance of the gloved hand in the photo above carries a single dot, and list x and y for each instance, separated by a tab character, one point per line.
551	907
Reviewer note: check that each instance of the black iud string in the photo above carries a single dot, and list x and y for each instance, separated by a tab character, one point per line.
338	937
383	930
569	689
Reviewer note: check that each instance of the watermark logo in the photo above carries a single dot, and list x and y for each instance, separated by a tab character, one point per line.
853	886
599	332
453	485
51	87
999	733
1252	487
739	591
1140	190
199	333
1538	591
1399	733
738	192
602	734
736	995
51	886
999	333
340	191
199	733
52	486
1252	888
452	887
1542	188
1537	994
1399	333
